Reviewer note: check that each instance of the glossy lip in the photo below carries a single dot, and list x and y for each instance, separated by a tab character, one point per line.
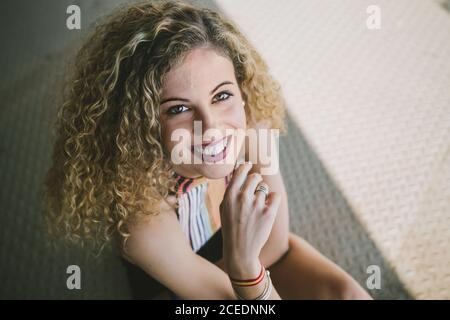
207	144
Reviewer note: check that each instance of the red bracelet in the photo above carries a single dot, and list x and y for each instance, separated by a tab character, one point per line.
249	282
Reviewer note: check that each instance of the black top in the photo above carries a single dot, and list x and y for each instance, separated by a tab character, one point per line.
143	286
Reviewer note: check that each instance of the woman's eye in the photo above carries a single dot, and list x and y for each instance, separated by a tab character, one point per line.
177	109
222	96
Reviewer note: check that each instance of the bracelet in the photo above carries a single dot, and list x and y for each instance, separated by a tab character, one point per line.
249	282
266	292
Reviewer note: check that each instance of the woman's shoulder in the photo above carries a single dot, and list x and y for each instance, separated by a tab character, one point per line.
153	228
165	213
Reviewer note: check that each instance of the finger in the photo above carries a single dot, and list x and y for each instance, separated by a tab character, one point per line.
239	177
237	163
260	197
272	203
250	185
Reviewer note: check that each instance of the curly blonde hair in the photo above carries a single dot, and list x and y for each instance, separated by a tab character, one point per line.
109	167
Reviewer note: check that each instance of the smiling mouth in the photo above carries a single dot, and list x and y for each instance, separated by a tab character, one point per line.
213	149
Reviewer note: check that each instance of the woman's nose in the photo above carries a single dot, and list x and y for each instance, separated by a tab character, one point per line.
208	120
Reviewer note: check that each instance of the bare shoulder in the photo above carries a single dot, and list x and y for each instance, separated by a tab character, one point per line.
155	233
160	248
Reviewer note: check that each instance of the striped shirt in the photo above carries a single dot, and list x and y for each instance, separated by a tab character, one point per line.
197	223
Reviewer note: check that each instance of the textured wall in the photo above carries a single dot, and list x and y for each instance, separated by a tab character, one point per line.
338	197
374	106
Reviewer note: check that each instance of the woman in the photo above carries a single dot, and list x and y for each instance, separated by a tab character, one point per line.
208	229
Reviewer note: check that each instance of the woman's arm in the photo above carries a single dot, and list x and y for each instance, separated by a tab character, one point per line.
161	249
278	243
299	270
247	218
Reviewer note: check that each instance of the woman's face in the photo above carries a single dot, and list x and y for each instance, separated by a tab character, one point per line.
202	88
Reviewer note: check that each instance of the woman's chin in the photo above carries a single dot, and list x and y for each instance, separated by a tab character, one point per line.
215	171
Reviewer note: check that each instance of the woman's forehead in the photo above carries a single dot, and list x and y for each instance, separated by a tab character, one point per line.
200	69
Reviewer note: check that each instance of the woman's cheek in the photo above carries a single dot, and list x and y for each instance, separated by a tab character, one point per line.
168	144
236	116
176	138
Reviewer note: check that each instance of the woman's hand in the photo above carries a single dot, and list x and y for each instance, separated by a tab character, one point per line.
247	218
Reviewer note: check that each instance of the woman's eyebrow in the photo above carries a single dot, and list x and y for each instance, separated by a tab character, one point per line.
174	99
187	100
222	84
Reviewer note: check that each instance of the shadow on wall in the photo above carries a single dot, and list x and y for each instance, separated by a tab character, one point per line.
320	214
445	4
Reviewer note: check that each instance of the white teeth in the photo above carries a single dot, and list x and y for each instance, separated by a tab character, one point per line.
198	149
213	150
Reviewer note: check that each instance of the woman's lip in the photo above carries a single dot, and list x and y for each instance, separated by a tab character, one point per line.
218	157
204	145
